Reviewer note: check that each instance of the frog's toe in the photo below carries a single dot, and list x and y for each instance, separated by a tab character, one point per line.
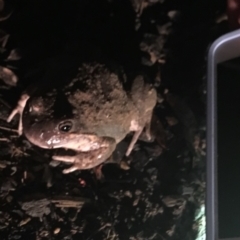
70	159
12	114
149	136
71	169
134	140
20	129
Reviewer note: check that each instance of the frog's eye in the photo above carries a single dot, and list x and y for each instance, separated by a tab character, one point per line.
65	126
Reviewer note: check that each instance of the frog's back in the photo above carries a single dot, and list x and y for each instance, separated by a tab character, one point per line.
100	102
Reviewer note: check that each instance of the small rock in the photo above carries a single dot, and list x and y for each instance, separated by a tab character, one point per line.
24	221
124	165
57	230
8	76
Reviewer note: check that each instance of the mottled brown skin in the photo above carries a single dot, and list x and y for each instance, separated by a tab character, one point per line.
90	114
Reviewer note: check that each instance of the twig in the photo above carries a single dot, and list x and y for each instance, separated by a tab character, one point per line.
4	140
100	229
9	129
76	202
5	103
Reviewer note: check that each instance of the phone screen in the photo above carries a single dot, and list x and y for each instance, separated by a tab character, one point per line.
228	148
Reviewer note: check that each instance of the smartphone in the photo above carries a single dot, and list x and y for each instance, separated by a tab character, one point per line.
223	139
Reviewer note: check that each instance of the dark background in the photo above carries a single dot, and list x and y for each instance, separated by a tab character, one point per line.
228	110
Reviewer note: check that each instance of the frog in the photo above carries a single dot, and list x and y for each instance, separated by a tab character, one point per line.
89	113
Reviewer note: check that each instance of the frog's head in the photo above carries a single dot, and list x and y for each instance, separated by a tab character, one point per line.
49	122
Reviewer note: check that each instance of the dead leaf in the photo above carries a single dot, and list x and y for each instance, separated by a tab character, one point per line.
8	76
14	55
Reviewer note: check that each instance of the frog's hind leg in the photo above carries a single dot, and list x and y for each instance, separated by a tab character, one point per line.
19	110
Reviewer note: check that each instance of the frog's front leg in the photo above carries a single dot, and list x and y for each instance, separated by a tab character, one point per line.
19	110
138	132
133	141
144	97
90	159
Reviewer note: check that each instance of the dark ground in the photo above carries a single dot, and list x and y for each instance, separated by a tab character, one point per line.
153	196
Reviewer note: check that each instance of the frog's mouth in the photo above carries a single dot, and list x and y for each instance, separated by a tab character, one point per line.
60	134
69	140
74	141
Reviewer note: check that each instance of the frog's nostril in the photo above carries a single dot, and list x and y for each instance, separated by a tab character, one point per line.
65	126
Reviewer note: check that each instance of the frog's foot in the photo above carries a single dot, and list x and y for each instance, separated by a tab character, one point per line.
148	134
19	110
90	159
154	131
83	160
98	172
146	137
159	132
